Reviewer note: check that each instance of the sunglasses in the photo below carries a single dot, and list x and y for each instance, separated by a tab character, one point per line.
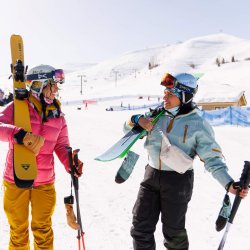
171	82
56	75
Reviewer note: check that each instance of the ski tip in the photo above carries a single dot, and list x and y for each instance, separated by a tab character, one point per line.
102	159
198	75
119	179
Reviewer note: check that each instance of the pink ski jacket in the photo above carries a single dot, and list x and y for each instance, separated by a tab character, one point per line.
55	133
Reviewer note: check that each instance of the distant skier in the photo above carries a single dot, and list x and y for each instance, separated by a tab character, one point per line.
49	135
2	101
173	142
9	98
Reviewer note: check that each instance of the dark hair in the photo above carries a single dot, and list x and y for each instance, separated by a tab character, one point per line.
44	105
57	108
186	108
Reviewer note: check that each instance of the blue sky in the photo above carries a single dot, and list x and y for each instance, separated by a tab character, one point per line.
67	31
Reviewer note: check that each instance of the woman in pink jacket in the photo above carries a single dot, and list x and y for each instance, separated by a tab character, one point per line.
49	134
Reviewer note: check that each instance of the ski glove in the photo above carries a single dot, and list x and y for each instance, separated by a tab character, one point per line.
29	140
71	218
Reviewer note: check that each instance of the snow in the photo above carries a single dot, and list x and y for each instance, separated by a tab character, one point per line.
106	207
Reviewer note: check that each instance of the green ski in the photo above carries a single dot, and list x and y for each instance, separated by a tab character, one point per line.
122	147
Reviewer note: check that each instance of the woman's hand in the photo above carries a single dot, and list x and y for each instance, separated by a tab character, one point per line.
146	123
243	193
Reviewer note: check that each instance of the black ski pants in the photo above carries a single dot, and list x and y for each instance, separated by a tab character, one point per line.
168	193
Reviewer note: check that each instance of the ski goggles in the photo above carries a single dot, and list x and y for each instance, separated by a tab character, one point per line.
56	75
170	82
38	86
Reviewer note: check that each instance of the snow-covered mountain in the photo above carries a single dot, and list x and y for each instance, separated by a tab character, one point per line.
71	67
195	55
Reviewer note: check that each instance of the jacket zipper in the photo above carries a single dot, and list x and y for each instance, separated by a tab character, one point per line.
160	163
185	134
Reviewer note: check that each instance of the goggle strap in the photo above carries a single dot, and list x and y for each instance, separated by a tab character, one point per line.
50	75
184	98
185	88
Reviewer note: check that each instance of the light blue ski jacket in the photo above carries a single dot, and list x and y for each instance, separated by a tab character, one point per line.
194	136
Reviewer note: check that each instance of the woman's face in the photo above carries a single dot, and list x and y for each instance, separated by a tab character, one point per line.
50	90
170	100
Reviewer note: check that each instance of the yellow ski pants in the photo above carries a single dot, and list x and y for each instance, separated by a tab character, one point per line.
42	201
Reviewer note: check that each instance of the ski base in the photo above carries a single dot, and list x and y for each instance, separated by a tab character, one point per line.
122	147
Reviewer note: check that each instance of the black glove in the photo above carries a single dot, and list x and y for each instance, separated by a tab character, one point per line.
19	136
156	111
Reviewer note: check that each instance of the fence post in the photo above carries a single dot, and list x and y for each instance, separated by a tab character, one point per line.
231	116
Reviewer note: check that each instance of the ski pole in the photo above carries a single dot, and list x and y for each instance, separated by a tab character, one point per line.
243	183
79	220
73	164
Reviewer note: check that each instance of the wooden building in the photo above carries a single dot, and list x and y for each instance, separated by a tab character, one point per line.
224	102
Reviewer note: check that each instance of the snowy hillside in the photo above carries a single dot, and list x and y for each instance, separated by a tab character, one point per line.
199	54
71	67
195	55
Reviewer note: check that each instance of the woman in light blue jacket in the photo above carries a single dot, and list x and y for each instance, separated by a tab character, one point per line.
172	143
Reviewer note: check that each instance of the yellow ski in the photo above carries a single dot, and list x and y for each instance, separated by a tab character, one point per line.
25	169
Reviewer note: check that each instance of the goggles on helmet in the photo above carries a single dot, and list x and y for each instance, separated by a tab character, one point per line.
56	75
170	82
59	76
37	85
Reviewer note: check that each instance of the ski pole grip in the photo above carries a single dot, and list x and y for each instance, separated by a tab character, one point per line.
245	176
244	182
71	167
75	159
69	149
